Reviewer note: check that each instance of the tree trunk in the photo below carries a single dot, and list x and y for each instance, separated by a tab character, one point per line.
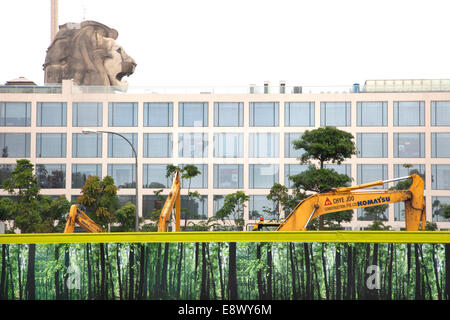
57	284
88	260
142	267
19	271
418	292
204	294
350	272
408	279
119	278
179	270
308	271
269	271
102	272
447	271
391	264
436	273
219	262
293	271
31	285
164	270
261	293
338	271
232	277
324	267
3	293
131	273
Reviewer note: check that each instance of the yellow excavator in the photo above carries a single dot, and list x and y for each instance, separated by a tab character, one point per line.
346	198
173	199
78	217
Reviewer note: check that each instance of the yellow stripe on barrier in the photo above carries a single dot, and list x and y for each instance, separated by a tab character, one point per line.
233	236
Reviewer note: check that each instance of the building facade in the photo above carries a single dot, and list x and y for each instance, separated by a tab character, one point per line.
239	141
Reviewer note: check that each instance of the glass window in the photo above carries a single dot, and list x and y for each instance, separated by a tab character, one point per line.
260	206
409	145
154	176
409	113
399	211
51	145
291	170
401	171
372	145
371	173
263	145
228	176
289	150
437	210
124	175
15	114
157	145
51	114
372	114
335	114
87	114
6	171
80	173
440	176
123	199
193	114
151	203
86	145
228	114
15	145
194	208
123	114
218	202
228	145
440	113
158	114
52	176
193	145
340	168
263	176
299	114
440	145
198	182
264	114
118	147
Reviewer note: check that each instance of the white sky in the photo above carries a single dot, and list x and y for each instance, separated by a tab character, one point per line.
239	42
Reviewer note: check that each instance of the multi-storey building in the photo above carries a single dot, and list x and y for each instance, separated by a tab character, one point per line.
239	141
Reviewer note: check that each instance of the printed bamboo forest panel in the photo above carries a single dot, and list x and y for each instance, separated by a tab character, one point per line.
224	271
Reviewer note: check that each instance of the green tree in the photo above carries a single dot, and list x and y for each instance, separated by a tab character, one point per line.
31	212
325	144
125	217
233	208
100	199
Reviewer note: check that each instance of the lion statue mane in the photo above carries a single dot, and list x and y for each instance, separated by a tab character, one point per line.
88	54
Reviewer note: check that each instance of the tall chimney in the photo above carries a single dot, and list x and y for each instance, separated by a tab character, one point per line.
53	19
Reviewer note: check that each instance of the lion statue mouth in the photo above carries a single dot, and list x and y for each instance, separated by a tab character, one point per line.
87	53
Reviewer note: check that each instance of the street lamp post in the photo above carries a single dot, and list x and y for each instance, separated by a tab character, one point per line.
91	131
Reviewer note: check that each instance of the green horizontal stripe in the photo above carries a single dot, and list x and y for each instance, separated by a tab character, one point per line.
233	236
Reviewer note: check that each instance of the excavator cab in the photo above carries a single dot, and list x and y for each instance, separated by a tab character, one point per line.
267	226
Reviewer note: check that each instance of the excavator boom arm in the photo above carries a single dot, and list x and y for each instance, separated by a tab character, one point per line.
173	199
77	216
342	199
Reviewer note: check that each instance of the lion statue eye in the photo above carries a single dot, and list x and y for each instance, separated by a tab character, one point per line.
119	50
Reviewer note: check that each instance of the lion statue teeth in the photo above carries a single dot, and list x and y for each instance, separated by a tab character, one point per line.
87	52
